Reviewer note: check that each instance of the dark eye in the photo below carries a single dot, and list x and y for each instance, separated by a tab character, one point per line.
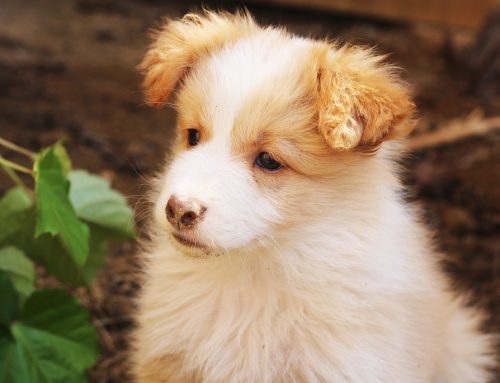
265	161
193	137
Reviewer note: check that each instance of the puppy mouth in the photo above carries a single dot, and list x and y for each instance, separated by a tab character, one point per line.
188	242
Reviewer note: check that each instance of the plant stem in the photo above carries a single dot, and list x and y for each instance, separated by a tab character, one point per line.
14	166
16	148
17	180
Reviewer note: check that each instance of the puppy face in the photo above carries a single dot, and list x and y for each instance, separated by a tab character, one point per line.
270	129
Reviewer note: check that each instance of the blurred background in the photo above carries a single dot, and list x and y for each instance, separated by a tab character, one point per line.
67	71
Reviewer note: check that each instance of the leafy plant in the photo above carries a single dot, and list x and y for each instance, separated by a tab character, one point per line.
64	225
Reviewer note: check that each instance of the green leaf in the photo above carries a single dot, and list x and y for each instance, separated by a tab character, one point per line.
14	208
13	368
58	262
54	311
54	342
95	201
63	266
9	300
98	251
61	154
55	214
20	270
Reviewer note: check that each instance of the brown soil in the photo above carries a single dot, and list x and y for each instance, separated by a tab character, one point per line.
67	70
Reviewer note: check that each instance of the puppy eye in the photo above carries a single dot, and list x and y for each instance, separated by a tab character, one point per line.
265	161
193	137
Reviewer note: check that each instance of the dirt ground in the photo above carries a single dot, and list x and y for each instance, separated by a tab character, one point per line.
67	70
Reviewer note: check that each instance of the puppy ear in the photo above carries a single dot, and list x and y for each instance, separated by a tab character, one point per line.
181	43
362	101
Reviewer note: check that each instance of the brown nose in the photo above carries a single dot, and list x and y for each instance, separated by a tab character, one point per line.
183	214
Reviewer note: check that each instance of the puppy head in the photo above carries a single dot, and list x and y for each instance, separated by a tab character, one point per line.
273	129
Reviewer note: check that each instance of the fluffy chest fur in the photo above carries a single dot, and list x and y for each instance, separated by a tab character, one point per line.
259	320
304	311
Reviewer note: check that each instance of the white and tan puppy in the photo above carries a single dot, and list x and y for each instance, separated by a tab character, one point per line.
282	250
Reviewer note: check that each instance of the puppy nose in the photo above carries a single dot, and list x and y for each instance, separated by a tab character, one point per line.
183	214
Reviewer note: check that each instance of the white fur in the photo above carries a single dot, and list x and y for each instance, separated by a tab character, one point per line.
236	212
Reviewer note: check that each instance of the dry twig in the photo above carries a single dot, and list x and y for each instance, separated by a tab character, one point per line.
454	130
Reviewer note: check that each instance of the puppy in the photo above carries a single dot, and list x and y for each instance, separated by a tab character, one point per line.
281	247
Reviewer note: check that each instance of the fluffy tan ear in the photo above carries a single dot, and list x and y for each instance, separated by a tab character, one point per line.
180	43
362	101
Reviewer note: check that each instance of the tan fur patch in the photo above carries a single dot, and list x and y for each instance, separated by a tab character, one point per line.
164	370
361	99
181	43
